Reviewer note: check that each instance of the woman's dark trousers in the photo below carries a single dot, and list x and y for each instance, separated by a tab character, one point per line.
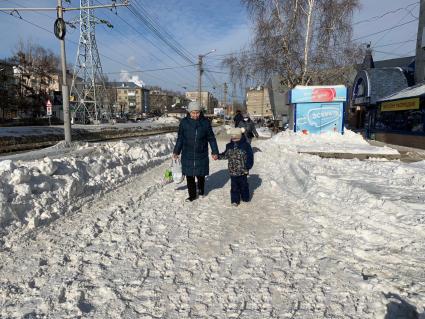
239	189
191	185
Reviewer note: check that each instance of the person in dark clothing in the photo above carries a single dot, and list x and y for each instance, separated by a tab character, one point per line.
241	159
238	118
195	132
249	126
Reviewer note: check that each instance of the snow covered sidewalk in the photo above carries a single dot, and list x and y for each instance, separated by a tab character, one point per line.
322	238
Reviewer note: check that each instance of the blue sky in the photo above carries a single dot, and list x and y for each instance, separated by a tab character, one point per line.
198	25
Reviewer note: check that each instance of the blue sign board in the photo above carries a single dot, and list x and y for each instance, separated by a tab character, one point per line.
316	118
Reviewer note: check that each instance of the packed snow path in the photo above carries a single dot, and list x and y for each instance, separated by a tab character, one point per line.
320	239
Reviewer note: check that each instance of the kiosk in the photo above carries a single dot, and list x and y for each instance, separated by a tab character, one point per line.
317	109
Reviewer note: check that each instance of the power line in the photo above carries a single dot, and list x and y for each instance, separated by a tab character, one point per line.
161	28
70	41
152	43
75	43
146	38
157	33
392	28
394	43
218	72
389	53
386	33
105	56
375	18
152	70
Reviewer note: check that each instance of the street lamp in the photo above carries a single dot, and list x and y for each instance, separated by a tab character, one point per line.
200	57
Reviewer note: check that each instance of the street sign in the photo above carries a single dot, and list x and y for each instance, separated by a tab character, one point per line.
49	108
60	28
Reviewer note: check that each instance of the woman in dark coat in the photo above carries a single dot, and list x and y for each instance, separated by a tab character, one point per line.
195	132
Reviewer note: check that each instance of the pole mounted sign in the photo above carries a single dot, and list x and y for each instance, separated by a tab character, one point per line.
60	28
49	108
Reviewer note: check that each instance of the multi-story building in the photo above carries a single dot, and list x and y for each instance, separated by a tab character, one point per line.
27	93
208	101
161	102
279	100
7	91
258	102
131	99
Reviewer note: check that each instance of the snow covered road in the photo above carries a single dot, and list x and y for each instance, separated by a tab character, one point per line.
322	238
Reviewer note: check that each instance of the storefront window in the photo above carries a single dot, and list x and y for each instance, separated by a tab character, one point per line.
404	121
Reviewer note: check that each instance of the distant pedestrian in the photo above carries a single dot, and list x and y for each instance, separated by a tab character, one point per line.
249	126
238	118
195	132
241	159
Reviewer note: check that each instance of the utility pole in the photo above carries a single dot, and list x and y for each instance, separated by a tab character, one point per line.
225	95
420	46
233	98
200	70
65	89
60	32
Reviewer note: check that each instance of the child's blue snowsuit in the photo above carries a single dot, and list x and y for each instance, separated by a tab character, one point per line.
241	159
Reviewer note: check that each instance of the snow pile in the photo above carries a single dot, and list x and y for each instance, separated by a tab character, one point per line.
331	142
389	188
365	219
33	193
164	120
264	132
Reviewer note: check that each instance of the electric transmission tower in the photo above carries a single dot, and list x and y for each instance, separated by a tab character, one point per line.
88	86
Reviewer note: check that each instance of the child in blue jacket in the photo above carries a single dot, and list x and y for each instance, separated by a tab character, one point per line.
241	159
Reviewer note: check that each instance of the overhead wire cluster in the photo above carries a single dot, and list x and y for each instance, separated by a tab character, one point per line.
167	45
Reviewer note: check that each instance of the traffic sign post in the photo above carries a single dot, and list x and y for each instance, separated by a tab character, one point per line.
49	110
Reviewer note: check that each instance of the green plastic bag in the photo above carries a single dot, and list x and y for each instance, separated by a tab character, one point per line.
168	175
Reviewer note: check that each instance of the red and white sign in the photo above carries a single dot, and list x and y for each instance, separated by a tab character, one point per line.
49	108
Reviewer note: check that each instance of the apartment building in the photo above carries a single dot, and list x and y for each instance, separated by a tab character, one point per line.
130	98
258	102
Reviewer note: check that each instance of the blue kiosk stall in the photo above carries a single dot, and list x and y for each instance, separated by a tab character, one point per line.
317	109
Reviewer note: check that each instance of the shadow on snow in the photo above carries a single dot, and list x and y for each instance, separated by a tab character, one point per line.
397	308
218	179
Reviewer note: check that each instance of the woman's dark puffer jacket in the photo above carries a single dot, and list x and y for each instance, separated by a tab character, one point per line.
192	143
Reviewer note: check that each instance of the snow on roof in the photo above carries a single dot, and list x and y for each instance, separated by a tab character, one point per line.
413	91
305	87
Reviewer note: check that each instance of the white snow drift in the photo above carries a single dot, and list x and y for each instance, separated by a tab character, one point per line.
33	193
321	238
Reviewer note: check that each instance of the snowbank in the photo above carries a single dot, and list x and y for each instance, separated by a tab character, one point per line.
164	120
391	189
331	142
20	131
33	193
264	132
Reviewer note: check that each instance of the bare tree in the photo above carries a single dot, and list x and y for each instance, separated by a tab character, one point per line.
36	68
302	41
